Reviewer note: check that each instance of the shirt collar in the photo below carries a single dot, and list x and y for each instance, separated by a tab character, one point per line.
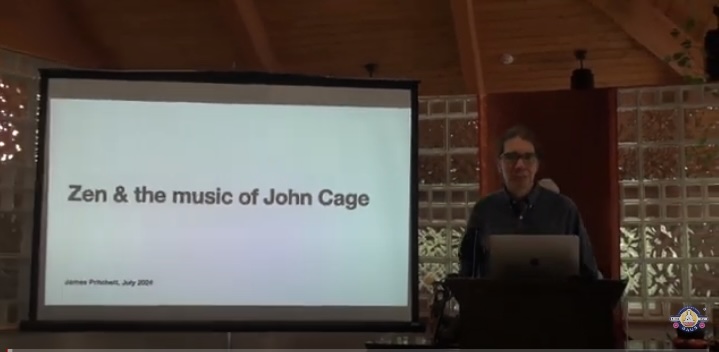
530	198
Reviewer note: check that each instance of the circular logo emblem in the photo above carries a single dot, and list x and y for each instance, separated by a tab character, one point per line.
689	319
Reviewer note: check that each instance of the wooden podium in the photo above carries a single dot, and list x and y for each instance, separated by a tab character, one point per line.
532	314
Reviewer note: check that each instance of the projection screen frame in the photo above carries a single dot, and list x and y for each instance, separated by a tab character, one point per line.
214	77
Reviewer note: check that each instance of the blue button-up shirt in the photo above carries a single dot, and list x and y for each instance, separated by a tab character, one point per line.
541	212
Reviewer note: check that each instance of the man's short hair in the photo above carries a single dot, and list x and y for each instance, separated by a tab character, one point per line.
522	132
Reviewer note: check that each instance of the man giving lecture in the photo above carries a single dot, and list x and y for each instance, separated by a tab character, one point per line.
521	207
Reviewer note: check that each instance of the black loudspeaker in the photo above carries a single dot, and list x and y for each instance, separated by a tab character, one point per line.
711	50
582	78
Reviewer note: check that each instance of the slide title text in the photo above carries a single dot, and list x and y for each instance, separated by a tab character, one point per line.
219	196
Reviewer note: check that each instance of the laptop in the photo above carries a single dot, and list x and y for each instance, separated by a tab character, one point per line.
533	256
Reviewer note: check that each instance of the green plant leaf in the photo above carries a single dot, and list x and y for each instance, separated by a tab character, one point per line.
689	79
675	32
683	62
690	24
678	55
687	44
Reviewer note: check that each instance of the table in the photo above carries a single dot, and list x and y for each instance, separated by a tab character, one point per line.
401	342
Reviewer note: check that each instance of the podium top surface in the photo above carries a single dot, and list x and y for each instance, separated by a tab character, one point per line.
610	291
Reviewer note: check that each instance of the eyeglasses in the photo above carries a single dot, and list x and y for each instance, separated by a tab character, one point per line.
513	157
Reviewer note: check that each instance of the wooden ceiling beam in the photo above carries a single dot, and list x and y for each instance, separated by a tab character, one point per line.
652	29
465	31
45	29
251	39
709	24
78	19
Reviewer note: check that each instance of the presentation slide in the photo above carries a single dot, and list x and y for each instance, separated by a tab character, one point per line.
225	202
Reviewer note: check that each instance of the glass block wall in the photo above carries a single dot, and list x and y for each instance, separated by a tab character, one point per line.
449	182
669	184
18	106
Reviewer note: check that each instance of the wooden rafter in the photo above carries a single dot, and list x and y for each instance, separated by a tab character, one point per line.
77	17
250	36
46	29
709	24
652	29
465	30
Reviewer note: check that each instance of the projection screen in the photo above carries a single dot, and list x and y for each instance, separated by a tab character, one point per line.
195	197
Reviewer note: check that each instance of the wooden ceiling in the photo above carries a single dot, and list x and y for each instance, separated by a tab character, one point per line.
452	46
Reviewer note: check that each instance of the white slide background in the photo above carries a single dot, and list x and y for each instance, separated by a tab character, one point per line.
227	255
